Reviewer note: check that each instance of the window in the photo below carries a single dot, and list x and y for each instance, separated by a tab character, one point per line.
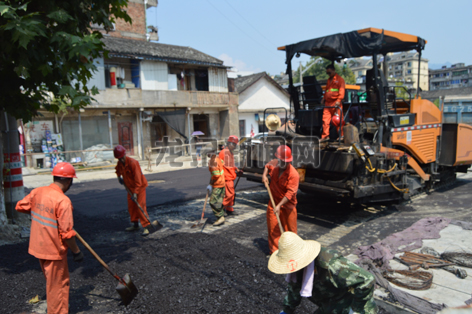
359	73
409	64
408	72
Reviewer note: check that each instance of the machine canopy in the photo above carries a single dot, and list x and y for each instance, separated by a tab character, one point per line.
365	42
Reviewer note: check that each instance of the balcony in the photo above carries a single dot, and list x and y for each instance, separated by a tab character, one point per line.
137	98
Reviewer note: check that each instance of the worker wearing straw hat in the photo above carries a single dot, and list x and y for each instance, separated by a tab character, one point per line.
284	180
332	282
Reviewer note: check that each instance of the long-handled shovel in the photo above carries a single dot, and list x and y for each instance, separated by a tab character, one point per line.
237	181
155	225
125	288
273	205
202	221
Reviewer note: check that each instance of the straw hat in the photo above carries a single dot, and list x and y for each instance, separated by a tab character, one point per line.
273	122
293	254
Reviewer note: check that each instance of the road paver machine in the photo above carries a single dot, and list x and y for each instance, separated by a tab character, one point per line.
395	144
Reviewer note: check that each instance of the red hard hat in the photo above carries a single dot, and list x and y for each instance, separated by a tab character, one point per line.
64	170
233	139
336	121
119	151
284	153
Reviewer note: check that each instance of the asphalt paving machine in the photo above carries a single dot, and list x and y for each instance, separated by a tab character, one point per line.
395	144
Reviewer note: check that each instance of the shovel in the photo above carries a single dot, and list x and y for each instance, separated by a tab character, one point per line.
273	205
155	225
239	177
202	220
125	288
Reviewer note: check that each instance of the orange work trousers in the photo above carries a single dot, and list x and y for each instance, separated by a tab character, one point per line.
57	285
288	219
134	211
328	114
228	202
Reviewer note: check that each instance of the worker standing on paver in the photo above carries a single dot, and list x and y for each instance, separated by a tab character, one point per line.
333	96
284	180
129	173
332	282
52	234
231	171
216	188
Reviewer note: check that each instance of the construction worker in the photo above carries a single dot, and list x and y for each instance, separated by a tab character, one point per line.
333	96
324	276
216	188
284	180
52	234
231	172
129	174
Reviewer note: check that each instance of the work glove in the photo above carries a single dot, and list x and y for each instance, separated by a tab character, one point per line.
120	179
209	189
78	257
135	196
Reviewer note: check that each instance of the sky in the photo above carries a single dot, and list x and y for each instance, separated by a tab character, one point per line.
245	34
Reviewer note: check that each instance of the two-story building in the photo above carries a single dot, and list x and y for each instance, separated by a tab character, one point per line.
147	91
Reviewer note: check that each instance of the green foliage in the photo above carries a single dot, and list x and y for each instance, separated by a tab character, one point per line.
437	103
400	91
46	48
319	70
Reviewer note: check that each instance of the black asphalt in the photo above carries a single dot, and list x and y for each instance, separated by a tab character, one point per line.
108	196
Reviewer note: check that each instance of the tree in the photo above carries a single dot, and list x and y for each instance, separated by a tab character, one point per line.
47	52
318	69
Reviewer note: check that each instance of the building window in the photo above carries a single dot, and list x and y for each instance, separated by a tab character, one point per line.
408	72
242	128
409	64
359	73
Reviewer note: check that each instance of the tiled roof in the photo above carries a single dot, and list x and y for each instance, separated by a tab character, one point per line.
451	92
243	82
157	51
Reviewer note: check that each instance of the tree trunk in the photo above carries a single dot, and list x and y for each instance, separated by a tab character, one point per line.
13	185
3	214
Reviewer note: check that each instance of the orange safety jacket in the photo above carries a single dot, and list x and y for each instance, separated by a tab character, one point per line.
230	168
335	90
217	173
285	185
133	177
51	221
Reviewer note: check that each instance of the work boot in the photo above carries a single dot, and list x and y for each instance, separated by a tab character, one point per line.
145	232
220	221
134	227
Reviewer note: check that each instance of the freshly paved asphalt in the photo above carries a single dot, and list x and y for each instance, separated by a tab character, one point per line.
108	196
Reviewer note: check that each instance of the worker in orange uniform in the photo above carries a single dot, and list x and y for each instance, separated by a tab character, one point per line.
52	234
284	180
129	173
216	188
231	172
333	96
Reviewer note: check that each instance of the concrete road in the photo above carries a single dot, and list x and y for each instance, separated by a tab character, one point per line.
108	196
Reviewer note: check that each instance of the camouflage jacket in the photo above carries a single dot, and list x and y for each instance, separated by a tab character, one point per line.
338	285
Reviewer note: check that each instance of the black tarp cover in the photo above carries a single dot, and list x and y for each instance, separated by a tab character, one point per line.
352	45
175	119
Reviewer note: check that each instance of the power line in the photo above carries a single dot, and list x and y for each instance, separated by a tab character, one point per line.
250	24
242	31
